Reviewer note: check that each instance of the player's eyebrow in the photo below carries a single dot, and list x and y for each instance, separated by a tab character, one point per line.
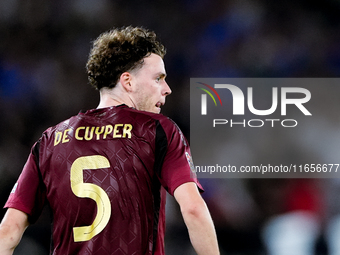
161	75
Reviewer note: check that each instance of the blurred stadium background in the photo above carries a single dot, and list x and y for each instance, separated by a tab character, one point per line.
43	51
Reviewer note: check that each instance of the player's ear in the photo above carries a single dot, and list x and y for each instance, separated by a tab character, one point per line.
125	80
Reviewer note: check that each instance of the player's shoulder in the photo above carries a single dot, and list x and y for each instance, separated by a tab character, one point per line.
168	125
165	121
59	127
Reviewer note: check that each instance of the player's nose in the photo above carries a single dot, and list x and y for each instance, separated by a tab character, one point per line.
167	90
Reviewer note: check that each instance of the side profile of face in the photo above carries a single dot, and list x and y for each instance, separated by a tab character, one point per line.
148	86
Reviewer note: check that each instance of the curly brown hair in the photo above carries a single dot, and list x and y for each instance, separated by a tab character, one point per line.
120	50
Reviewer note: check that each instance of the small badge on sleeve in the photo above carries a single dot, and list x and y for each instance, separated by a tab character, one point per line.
14	188
190	162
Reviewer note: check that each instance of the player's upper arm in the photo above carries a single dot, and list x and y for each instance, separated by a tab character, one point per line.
197	219
14	216
12	227
189	198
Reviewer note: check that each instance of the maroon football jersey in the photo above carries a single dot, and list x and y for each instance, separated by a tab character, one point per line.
104	174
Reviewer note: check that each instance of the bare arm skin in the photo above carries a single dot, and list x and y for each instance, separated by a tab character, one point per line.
12	228
197	219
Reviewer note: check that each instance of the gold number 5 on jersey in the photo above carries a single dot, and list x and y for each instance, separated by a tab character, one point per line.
89	190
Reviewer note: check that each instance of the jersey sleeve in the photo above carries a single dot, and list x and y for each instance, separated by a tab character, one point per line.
173	150
28	193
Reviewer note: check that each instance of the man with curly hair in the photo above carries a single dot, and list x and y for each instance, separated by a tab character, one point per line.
105	172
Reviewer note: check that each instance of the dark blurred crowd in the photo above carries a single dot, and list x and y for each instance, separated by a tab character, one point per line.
43	51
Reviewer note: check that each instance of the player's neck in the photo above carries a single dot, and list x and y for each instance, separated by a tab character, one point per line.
113	97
